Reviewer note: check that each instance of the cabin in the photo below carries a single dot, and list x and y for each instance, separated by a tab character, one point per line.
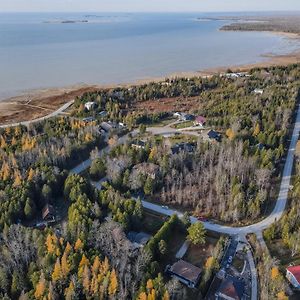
48	213
183	116
108	126
185	272
213	135
200	121
90	105
293	276
231	289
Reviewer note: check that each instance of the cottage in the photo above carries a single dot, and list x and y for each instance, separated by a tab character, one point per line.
90	105
200	121
48	213
186	117
88	119
231	289
145	169
185	272
213	135
293	276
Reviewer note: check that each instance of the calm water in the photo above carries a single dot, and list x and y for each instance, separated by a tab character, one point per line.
38	51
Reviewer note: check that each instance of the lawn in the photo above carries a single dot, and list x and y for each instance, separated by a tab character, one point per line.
198	254
184	124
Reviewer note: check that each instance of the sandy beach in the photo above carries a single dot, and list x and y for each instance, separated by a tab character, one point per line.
38	103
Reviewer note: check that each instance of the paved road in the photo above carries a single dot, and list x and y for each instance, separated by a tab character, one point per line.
51	115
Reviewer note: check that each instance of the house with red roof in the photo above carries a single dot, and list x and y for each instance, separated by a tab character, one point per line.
200	121
293	276
231	289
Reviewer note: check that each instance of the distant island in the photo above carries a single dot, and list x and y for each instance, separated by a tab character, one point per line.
67	21
286	24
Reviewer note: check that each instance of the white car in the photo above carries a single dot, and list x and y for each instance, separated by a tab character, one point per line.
165	207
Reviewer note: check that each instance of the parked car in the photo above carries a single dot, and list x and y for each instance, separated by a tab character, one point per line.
164	207
230	259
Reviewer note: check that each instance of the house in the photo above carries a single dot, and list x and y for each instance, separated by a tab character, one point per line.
108	126
88	119
145	169
102	114
90	105
231	289
258	91
213	135
200	121
139	239
187	147
293	276
185	272
186	117
183	116
48	213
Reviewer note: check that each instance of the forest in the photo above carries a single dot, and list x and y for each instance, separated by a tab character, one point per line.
86	254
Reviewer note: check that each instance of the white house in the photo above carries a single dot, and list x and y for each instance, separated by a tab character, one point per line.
293	276
89	105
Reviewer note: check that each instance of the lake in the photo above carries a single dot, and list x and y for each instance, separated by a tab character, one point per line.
56	50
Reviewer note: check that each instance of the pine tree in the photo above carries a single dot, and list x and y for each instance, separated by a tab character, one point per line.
70	291
166	296
142	296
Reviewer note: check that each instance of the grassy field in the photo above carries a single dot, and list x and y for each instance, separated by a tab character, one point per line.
184	125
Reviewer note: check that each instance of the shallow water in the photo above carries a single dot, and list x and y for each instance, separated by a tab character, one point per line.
39	51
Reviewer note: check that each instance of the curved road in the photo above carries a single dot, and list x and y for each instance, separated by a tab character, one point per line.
51	115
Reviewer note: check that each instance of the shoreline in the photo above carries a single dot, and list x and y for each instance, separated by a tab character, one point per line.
39	103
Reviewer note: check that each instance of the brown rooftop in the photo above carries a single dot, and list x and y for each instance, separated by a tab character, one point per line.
186	270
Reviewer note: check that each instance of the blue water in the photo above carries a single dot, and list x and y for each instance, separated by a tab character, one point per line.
38	51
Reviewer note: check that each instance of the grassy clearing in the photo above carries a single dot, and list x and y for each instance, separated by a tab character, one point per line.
198	254
152	222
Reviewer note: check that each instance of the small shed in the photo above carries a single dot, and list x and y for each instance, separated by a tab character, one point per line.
48	213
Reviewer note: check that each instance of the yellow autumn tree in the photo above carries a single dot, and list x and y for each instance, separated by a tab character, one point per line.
84	262
40	287
70	291
113	283
152	295
96	265
142	296
5	171
166	296
30	174
149	284
256	130
57	273
86	276
78	245
65	267
209	262
105	266
3	143
230	134
18	179
274	273
282	296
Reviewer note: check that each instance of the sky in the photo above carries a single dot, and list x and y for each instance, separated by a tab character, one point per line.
149	5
